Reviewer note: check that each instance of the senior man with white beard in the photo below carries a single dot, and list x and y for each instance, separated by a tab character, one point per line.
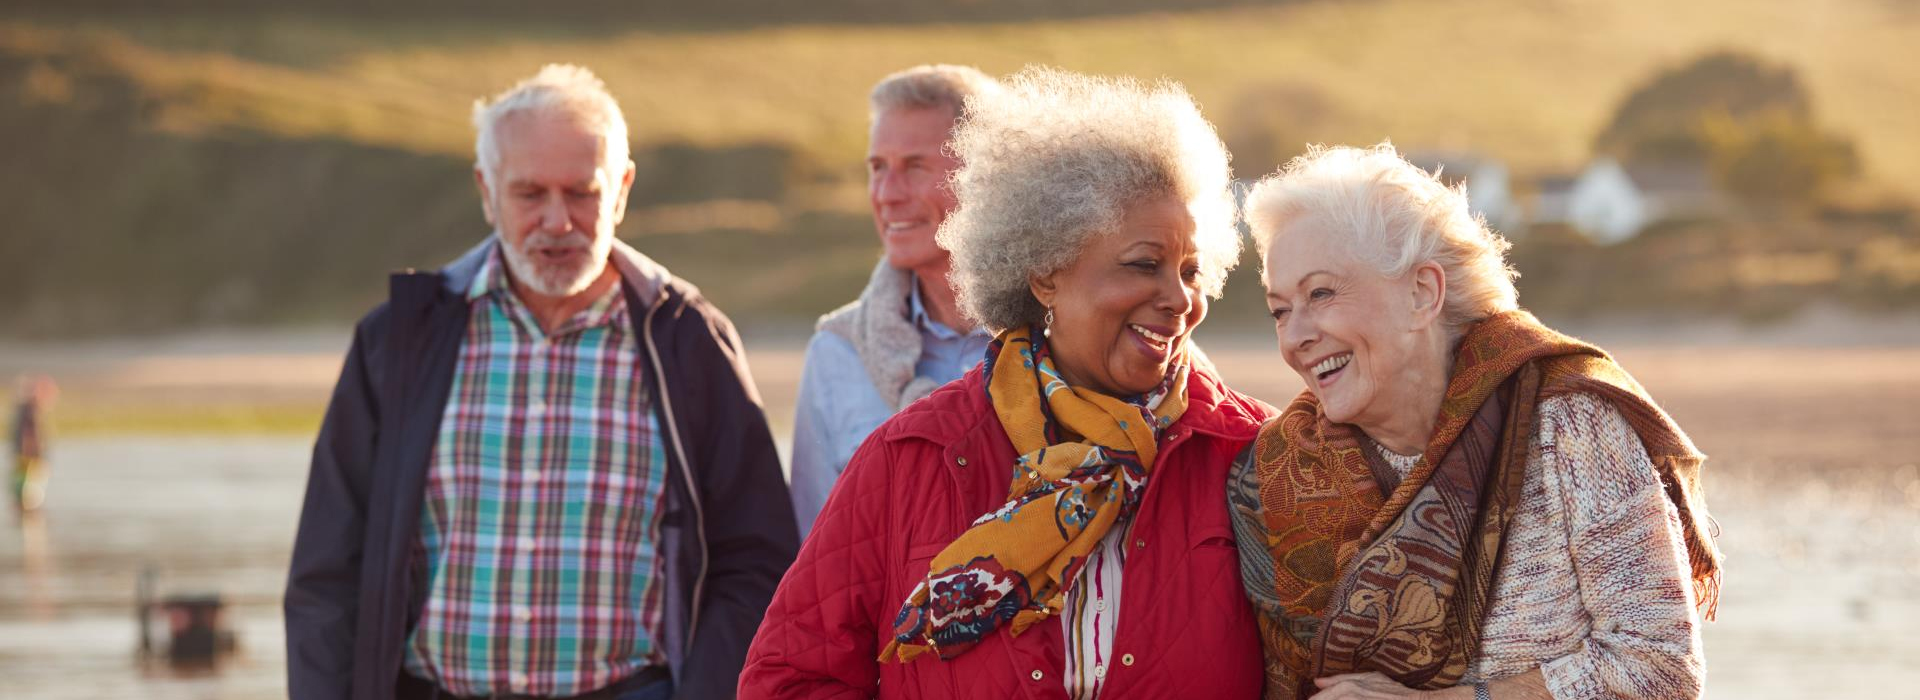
545	471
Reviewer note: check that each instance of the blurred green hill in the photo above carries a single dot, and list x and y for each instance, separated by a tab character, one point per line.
707	14
194	164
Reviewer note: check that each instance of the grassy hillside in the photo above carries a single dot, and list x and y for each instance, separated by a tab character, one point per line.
196	169
1528	81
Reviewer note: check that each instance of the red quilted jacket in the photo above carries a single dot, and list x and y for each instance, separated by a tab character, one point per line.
1185	630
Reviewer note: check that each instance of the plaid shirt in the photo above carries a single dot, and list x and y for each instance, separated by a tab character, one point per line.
537	565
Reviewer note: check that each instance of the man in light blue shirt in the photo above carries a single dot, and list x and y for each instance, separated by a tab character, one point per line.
905	335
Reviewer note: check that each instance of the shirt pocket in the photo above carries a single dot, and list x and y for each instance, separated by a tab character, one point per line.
1213	569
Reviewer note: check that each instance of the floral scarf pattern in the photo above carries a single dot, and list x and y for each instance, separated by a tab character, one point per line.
1083	467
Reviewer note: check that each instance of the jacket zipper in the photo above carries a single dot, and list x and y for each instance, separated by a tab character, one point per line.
686	470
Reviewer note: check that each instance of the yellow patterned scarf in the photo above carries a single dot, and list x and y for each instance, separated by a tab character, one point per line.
1084	459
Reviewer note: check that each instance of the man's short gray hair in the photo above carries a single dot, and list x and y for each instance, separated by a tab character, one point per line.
568	89
932	86
1055	159
1393	216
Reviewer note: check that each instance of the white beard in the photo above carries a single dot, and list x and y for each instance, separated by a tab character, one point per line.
557	280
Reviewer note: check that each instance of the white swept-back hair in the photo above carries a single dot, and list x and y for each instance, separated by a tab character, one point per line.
930	86
1394	216
558	87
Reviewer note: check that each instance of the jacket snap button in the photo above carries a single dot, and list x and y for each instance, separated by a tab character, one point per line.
1140	543
1126	660
962	461
1037	675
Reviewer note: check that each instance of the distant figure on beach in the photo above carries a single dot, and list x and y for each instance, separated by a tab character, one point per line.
31	433
545	471
905	336
1463	503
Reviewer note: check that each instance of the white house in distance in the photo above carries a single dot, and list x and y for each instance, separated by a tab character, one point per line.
1610	203
1552	199
1489	188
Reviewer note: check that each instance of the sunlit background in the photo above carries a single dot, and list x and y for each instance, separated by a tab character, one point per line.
197	197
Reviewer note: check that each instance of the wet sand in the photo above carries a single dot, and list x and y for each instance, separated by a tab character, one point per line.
1814	480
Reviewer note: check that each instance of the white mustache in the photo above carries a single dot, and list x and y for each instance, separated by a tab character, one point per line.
575	239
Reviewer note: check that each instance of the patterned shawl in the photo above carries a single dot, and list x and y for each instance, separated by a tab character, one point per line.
1084	458
1349	579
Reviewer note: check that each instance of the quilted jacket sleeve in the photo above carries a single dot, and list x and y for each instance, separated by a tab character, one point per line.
820	637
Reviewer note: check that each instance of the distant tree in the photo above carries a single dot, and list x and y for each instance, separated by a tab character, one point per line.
1750	121
1660	119
1777	158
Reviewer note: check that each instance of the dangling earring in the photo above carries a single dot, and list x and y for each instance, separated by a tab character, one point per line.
1048	331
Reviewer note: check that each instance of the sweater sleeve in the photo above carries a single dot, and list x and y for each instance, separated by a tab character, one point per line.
816	464
1629	559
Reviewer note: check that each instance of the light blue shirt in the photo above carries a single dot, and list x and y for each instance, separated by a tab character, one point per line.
945	354
839	406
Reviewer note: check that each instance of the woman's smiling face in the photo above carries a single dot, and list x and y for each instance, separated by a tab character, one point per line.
1123	309
1351	333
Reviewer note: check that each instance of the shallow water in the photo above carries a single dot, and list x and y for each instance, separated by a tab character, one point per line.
1813	481
212	515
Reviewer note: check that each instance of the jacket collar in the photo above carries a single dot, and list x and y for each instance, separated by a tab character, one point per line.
1228	413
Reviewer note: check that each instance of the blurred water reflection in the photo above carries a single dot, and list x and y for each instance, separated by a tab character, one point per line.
210	514
1813	481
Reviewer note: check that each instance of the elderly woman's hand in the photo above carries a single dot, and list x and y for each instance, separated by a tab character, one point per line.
1364	686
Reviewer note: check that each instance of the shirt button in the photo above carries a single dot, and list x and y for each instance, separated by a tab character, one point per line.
519	681
526	544
521	613
1100	604
1100	671
1126	660
1037	675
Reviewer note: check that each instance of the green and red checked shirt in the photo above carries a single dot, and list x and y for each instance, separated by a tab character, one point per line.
538	551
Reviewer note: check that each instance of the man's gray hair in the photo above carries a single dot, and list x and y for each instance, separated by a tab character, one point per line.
1054	160
568	89
932	86
1393	216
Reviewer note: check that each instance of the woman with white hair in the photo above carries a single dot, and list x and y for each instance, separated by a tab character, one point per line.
1463	503
1053	524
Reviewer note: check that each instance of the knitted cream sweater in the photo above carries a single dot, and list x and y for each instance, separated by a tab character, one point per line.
1593	587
